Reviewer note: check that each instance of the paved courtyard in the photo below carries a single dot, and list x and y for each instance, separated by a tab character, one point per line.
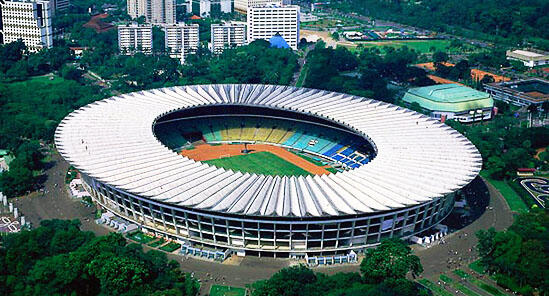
55	203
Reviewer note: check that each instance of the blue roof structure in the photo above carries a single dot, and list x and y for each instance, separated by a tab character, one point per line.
278	41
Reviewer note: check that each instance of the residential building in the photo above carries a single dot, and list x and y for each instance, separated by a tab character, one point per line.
154	11
227	35
58	6
28	20
243	5
204	8
137	8
520	92
181	40
162	12
134	38
266	21
452	101
530	58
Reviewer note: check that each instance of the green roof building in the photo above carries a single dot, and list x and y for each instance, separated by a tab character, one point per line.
452	101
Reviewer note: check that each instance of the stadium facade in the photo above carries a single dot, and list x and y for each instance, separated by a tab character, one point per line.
408	186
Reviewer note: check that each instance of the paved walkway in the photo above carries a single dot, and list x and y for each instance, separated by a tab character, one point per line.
55	203
459	249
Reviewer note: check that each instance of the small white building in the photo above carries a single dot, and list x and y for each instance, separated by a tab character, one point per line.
134	38
227	35
28	20
181	40
530	58
266	21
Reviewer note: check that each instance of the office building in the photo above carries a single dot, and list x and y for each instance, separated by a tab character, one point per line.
227	35
266	21
134	38
181	40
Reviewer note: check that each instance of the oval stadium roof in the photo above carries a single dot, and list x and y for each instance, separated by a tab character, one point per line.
418	159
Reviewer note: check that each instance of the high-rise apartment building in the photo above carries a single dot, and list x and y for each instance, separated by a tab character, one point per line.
266	21
227	35
204	8
181	40
154	11
58	6
28	20
134	38
163	12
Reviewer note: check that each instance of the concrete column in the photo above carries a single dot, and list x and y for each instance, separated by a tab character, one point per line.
11	207
15	213
22	220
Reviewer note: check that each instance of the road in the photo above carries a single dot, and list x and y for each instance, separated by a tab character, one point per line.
55	203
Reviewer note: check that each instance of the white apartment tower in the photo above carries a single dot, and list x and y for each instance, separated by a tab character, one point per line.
227	35
155	11
134	38
243	5
266	21
204	8
28	20
181	40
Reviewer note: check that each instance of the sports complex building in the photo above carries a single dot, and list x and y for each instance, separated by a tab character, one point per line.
390	172
452	101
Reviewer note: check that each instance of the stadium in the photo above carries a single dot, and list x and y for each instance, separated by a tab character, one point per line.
267	170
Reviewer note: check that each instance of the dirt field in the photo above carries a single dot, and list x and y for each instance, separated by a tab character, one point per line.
208	152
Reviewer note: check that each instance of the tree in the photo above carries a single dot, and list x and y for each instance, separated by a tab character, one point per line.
440	57
392	259
291	281
17	180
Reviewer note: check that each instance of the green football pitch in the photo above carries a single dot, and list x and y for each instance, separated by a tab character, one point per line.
264	163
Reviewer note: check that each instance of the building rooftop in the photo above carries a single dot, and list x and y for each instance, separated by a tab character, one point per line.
530	55
449	97
534	90
527	53
419	159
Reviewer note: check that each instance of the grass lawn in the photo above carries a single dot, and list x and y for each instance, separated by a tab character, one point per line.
513	199
446	279
436	289
420	46
462	274
217	290
141	237
477	266
260	163
309	159
170	247
465	290
332	170
487	287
